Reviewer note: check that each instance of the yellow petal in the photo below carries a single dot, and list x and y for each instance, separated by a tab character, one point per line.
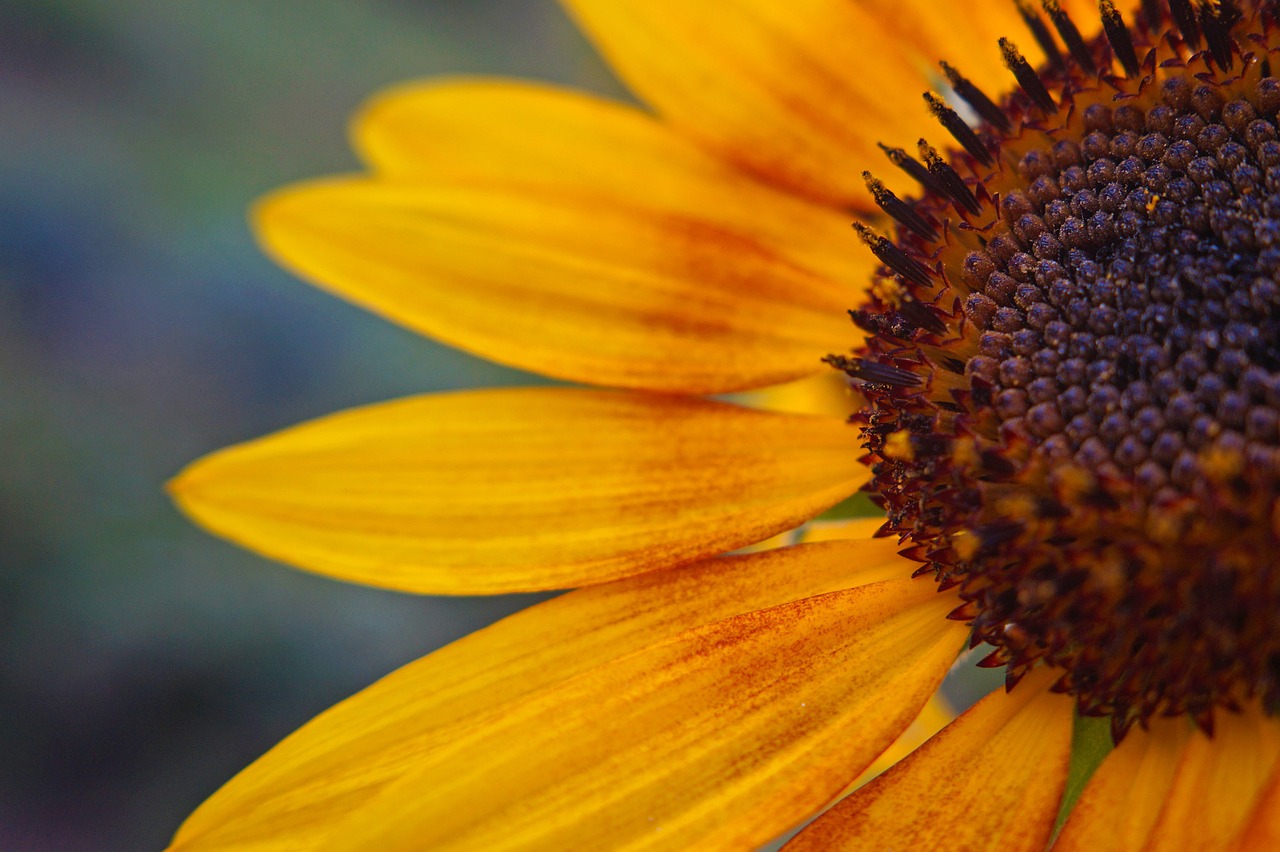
1217	782
493	131
829	393
1261	830
796	93
990	780
721	737
332	766
673	273
520	489
1124	796
967	37
935	716
1084	13
961	35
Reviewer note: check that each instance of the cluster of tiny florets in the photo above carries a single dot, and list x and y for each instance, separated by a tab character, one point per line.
1074	365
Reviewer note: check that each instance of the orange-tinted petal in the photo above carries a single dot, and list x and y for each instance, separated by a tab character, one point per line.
799	93
466	131
520	489
828	393
721	737
1126	793
796	93
968	38
991	779
1084	13
576	238
332	766
935	716
1217	782
1261	831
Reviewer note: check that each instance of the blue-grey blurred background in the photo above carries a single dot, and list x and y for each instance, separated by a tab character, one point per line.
142	662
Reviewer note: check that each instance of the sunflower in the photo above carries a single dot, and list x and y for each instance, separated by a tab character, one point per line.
1064	390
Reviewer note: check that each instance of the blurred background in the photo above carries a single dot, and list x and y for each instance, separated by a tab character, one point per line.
142	663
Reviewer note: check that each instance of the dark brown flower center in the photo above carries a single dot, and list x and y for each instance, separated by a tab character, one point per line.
1073	369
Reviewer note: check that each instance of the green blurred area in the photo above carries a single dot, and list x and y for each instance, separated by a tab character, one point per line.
142	662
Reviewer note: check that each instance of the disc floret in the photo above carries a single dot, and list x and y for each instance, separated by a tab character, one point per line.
1073	361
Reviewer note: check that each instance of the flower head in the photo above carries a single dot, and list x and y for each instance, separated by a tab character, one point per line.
1065	396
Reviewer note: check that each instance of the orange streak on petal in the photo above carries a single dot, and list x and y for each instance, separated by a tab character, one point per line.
721	737
935	716
515	133
1119	807
796	93
331	767
521	489
1217	782
675	274
991	779
1261	831
799	93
